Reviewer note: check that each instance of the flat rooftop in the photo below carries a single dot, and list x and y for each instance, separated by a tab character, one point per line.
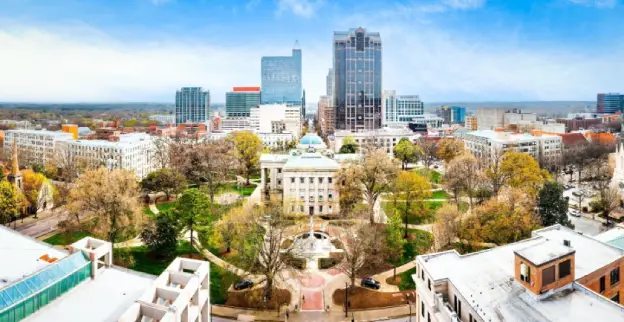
20	255
104	298
486	278
544	252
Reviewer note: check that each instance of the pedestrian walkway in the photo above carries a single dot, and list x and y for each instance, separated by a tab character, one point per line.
307	316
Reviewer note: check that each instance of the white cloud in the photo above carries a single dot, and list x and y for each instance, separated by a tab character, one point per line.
596	3
464	4
302	8
84	64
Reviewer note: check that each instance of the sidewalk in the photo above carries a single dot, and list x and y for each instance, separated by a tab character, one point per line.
362	315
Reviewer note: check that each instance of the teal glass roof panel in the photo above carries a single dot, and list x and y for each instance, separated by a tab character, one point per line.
24	288
310	139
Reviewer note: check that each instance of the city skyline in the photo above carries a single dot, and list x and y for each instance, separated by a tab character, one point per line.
442	50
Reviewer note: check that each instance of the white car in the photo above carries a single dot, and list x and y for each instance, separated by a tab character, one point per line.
574	213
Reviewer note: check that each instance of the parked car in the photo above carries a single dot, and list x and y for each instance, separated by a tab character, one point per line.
370	283
568	186
577	193
574	213
241	285
608	224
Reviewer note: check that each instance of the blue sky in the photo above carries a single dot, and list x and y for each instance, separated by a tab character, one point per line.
443	50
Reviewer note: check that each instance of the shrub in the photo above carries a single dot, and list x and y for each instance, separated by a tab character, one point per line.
328	262
585	209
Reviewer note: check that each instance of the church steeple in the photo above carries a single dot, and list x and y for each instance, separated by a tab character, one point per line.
16	176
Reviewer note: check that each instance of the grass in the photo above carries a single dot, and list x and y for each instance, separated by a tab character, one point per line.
362	298
164	206
425	215
403	280
147	263
433	175
419	242
61	240
232	187
220	281
439	194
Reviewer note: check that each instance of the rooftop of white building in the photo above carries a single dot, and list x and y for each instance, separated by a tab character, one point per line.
508	136
486	279
23	273
311	161
613	237
384	131
58	134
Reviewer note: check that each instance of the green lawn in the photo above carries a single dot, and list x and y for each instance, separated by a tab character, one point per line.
146	263
220	281
231	187
433	175
406	282
439	194
427	216
164	206
59	239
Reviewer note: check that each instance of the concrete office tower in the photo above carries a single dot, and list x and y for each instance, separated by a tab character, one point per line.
490	118
329	83
357	79
281	79
610	103
240	100
399	110
192	104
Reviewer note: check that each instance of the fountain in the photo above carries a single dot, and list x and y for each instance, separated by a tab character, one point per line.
313	245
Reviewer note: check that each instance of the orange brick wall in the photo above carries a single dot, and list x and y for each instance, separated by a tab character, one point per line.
592	281
536	274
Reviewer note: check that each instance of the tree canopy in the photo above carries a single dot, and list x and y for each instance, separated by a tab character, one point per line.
406	152
8	202
521	171
167	180
247	148
449	148
553	207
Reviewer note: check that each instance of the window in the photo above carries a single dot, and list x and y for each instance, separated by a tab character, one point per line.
311	180
422	308
429	284
616	298
525	273
320	180
455	302
279	182
469	317
614	276
301	180
292	180
321	209
564	268
329	180
603	283
422	274
548	275
329	209
279	170
428	317
330	195
301	208
292	208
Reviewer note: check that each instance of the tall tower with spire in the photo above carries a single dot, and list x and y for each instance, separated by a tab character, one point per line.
16	176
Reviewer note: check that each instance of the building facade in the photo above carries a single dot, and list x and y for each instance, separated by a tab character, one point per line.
610	103
35	146
579	123
430	120
240	100
399	110
472	122
163	118
357	81
488	144
490	118
192	104
452	114
384	138
329	82
264	117
556	275
321	118
281	79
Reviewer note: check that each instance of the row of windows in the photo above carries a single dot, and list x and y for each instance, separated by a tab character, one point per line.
310	179
312	209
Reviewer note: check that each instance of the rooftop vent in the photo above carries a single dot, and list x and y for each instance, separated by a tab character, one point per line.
566	242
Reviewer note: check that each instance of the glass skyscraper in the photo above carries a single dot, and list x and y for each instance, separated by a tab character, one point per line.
192	104
281	79
610	103
357	79
240	100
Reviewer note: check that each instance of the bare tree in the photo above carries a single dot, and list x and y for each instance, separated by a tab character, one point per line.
162	150
463	172
446	228
356	244
429	151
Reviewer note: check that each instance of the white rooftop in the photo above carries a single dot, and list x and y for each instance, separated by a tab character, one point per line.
57	134
311	161
104	298
20	254
544	252
507	136
486	279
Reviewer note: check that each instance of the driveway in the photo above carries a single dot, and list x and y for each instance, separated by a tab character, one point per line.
587	226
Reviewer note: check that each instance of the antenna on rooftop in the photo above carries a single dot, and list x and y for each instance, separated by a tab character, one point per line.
296	46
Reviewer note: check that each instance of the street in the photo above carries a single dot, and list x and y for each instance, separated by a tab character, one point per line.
587	226
46	223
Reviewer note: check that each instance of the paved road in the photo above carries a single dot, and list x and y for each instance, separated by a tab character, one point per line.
322	317
587	226
41	226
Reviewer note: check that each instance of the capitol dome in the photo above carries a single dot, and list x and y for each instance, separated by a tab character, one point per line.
311	140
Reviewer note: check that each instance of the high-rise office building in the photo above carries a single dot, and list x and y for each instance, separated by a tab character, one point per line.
401	109
610	103
192	104
240	100
281	79
329	83
357	79
452	114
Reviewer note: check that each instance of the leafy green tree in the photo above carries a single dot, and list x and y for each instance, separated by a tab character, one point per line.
394	239
131	123
192	211
348	145
160	235
247	148
166	180
521	171
409	189
407	152
553	207
8	202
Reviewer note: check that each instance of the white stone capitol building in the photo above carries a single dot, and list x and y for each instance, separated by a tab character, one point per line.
304	178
